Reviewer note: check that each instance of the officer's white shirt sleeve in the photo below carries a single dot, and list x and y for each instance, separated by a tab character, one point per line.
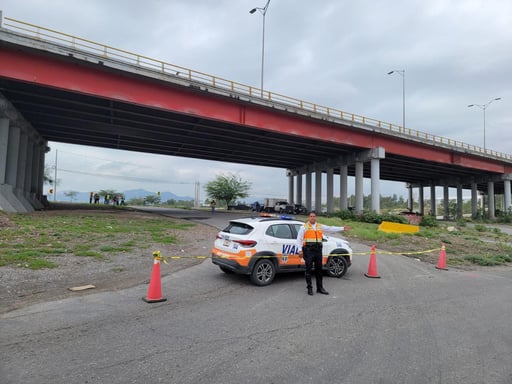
332	228
300	238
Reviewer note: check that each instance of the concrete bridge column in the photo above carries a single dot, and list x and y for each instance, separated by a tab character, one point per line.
299	189
290	175
410	201
446	202
31	174
9	154
37	181
507	195
4	141
459	201
343	187
22	162
29	169
433	208
330	190
308	191
359	186
490	199
22	152
21	188
474	199
421	208
318	190
40	177
6	200
375	185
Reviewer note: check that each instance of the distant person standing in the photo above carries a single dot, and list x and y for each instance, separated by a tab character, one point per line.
91	195
96	198
309	244
213	205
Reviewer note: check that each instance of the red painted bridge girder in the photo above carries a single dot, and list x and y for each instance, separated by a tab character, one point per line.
64	73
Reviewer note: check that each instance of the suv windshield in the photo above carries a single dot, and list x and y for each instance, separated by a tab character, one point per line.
238	228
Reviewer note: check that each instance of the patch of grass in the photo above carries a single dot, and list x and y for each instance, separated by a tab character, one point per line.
29	238
163	238
41	264
464	246
96	255
110	248
455	262
484	260
28	258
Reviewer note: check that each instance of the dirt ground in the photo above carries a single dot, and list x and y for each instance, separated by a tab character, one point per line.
22	286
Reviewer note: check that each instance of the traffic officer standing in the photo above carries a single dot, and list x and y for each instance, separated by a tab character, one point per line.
309	244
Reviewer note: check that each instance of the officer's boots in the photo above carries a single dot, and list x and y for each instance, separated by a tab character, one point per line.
309	285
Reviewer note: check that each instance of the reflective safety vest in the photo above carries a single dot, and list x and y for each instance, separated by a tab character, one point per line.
311	236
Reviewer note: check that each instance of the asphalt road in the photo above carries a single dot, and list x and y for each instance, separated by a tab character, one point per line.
415	324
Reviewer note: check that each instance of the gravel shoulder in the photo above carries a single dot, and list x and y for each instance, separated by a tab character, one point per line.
22	286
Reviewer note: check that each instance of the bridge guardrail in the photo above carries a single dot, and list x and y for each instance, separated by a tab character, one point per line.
46	34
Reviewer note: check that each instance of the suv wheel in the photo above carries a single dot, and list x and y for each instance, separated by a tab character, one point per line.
263	272
336	266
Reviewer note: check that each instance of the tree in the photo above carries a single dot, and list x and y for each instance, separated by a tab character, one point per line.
105	192
152	199
227	188
47	179
71	195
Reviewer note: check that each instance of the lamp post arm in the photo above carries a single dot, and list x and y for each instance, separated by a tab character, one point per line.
263	11
483	107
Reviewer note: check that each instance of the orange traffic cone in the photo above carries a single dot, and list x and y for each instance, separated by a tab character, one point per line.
441	262
155	285
372	266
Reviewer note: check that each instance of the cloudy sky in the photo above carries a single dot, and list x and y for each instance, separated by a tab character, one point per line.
331	52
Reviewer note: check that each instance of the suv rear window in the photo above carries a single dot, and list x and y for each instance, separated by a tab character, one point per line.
281	231
238	228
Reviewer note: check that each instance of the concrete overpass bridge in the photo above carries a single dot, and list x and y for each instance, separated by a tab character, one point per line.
57	87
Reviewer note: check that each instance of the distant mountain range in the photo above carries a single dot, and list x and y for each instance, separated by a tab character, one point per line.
83	197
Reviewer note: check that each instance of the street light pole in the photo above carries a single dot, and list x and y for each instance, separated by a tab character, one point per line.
401	72
484	107
263	11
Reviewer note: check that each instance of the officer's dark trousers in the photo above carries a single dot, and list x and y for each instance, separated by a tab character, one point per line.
313	255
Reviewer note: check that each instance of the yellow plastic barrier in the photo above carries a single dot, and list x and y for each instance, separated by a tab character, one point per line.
389	227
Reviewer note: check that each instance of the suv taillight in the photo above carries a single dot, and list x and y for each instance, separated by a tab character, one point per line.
246	243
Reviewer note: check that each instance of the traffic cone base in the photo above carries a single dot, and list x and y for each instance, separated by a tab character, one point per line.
441	262
154	300
155	285
372	266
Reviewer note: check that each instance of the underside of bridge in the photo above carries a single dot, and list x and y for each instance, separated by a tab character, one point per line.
72	97
74	118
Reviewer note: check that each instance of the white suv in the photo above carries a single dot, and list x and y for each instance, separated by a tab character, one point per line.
263	246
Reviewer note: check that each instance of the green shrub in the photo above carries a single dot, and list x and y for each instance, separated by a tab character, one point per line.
346	215
429	221
393	218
